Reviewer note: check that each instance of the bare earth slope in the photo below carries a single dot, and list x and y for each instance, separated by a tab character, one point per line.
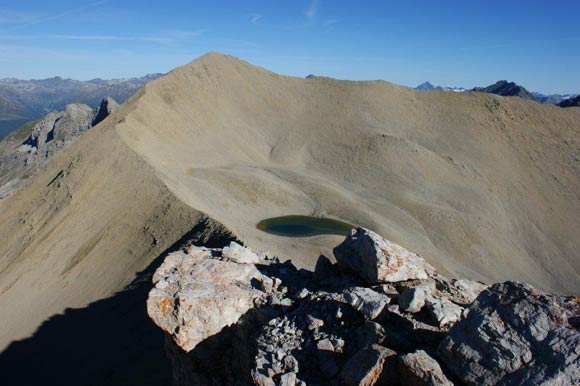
482	186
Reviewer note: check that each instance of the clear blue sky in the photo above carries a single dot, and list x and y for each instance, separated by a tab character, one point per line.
455	43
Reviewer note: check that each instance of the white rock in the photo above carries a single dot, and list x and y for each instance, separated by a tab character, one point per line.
378	260
370	303
413	299
196	295
239	254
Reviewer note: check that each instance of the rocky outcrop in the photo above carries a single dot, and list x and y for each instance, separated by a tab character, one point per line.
234	316
107	106
27	150
516	335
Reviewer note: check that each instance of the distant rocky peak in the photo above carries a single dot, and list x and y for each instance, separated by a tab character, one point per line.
505	88
425	86
107	106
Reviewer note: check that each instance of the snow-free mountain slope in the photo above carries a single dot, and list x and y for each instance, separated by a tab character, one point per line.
480	185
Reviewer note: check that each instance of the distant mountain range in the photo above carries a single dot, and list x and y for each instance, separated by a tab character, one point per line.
25	100
428	86
505	88
570	102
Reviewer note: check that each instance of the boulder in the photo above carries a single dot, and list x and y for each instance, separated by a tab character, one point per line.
413	299
239	254
515	334
367	367
197	294
377	260
420	369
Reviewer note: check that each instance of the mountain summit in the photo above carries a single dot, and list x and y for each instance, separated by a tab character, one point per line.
505	88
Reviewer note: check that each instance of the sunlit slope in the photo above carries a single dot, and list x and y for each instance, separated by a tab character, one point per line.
483	185
81	230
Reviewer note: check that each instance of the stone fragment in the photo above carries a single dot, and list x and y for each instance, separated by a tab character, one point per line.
239	254
370	303
288	379
515	334
313	323
444	312
468	288
413	299
377	260
261	379
366	367
420	369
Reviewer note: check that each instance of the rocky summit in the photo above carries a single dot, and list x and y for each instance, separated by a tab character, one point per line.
381	315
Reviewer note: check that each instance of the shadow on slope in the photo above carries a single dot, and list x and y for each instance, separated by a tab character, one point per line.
110	342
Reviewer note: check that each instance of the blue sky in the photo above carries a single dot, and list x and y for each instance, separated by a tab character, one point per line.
455	43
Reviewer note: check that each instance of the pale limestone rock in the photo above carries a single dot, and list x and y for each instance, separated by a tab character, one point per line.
196	295
378	260
370	303
239	254
443	311
468	288
413	299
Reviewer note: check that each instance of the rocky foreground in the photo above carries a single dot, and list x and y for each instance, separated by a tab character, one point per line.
380	316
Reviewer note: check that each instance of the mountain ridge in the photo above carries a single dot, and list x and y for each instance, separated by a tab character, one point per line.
456	177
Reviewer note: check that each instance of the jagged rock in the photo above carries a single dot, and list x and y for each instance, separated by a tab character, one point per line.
413	299
288	379
239	254
107	106
313	323
515	334
288	327
444	312
196	295
366	367
367	301
377	260
370	333
469	289
420	369
261	379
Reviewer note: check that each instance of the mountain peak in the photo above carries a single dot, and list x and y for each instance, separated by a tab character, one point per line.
425	86
506	88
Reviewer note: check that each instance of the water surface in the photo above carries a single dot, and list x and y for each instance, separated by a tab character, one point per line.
303	226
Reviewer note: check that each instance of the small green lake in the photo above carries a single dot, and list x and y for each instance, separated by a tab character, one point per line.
303	226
